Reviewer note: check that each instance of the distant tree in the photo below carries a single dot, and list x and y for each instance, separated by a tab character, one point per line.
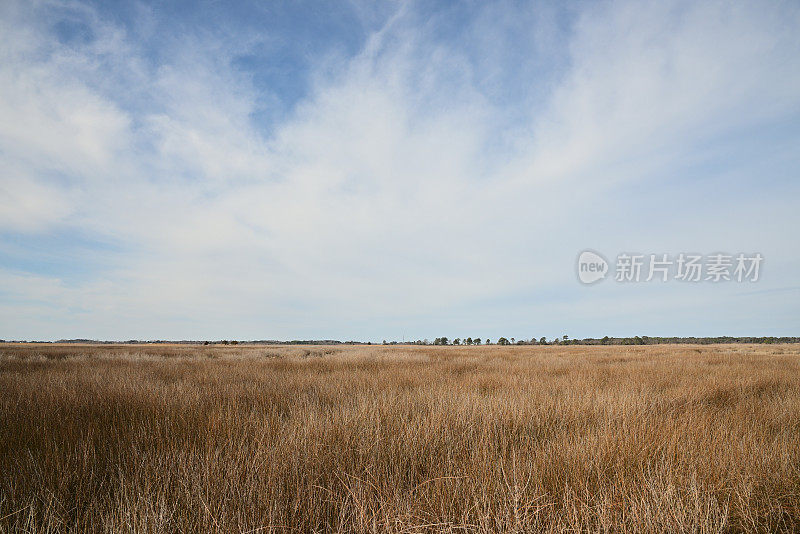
605	340
457	341
488	341
502	341
543	340
477	341
512	340
468	341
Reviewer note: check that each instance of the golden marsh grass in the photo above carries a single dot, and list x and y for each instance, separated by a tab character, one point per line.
177	438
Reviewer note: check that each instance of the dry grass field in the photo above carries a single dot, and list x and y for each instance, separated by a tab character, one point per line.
399	439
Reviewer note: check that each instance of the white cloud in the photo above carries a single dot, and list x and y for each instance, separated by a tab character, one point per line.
26	204
653	77
401	186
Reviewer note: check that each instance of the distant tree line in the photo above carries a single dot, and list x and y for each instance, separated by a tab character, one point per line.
635	340
441	341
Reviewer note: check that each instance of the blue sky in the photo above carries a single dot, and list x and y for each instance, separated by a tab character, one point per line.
361	170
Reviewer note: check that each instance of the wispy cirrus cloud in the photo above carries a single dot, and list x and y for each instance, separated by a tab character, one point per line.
419	177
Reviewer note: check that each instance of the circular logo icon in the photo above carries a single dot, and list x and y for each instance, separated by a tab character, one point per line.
592	267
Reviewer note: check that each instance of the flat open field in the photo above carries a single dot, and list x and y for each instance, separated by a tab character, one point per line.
665	438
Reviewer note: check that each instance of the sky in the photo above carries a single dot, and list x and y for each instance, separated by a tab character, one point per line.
400	170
